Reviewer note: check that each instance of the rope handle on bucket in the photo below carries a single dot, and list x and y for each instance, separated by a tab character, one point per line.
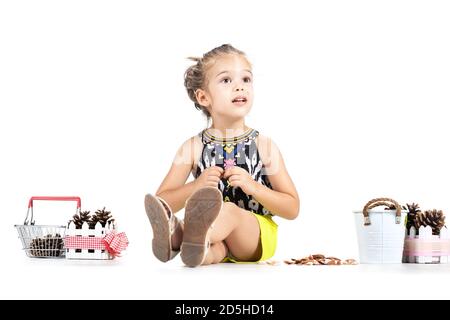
30	205
381	202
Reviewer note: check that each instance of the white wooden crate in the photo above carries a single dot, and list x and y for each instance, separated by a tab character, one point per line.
98	232
423	247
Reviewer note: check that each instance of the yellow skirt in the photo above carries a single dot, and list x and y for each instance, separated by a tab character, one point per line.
268	237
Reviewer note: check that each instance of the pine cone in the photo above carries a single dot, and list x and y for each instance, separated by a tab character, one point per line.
36	247
433	218
93	222
101	216
49	246
80	218
413	211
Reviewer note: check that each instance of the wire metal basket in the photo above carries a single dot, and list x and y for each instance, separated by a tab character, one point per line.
43	241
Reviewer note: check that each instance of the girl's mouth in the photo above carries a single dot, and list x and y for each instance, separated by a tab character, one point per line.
239	100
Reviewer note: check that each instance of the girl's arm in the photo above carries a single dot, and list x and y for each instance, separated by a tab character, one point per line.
283	200
174	189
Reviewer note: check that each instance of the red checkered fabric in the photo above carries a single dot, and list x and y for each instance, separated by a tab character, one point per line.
78	242
113	242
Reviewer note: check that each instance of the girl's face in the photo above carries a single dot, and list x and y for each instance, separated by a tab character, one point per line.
229	88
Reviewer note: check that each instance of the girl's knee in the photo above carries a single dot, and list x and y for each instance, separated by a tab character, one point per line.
230	209
229	205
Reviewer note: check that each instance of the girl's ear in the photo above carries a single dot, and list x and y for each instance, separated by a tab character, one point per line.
202	98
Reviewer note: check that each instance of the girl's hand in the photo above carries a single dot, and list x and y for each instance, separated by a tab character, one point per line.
210	177
238	177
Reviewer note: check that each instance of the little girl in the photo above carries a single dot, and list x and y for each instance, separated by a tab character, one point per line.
240	177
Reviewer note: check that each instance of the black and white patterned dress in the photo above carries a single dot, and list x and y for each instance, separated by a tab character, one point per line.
239	151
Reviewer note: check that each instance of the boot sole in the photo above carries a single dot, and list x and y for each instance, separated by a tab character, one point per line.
201	211
159	221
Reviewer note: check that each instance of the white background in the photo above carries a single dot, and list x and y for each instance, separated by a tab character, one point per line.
92	103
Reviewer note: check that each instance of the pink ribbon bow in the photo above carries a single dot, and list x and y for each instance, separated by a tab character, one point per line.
115	242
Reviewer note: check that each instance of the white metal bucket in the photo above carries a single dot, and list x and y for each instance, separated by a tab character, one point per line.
381	236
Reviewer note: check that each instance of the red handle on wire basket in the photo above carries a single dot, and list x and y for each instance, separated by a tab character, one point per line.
30	206
77	199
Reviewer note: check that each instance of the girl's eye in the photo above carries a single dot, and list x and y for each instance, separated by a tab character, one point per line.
226	80
247	79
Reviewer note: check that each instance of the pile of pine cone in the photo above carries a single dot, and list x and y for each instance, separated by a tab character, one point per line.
101	216
320	259
433	218
48	246
416	218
